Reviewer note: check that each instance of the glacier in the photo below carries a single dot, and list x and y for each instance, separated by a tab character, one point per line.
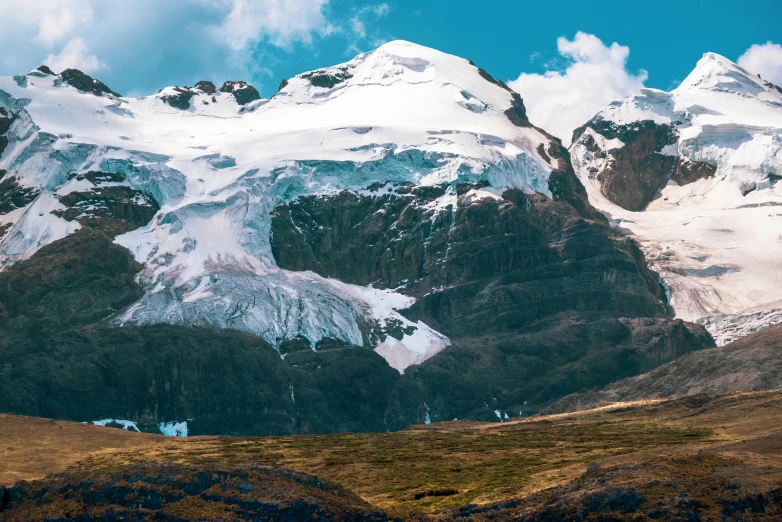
217	170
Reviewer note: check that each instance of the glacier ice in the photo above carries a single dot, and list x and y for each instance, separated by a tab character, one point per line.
402	113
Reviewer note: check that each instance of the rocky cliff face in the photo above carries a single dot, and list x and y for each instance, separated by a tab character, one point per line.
535	296
64	360
692	175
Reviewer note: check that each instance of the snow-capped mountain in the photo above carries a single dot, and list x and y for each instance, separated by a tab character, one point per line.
384	242
693	175
217	169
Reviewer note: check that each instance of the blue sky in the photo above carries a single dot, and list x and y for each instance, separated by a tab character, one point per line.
139	46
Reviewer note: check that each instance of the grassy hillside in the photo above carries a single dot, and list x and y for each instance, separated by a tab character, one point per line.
425	470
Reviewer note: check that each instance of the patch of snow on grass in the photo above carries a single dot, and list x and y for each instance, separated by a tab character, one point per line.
126	424
173	428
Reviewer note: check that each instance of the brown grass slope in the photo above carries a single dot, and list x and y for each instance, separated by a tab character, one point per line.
698	457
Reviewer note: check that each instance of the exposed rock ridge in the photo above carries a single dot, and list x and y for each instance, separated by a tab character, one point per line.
242	91
85	82
182	97
495	273
634	161
753	363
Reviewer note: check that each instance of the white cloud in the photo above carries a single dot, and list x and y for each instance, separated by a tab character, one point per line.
63	22
358	27
282	22
182	42
358	35
142	45
560	101
764	59
74	55
381	10
55	20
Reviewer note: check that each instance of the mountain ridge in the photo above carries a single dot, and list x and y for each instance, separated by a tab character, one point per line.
692	174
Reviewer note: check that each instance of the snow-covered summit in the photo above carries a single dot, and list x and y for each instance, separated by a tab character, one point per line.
714	72
426	85
709	227
716	92
217	169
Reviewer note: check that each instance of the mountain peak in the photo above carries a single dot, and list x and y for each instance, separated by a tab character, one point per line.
402	82
403	44
714	57
716	73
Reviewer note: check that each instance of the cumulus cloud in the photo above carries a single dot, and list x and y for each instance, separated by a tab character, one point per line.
54	20
562	100
74	56
764	59
60	23
181	42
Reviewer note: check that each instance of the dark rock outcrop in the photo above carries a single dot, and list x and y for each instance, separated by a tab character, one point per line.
180	100
392	240
181	492
71	282
772	86
687	171
635	172
6	119
328	78
118	207
13	195
242	91
283	84
516	113
85	82
206	86
519	372
45	69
